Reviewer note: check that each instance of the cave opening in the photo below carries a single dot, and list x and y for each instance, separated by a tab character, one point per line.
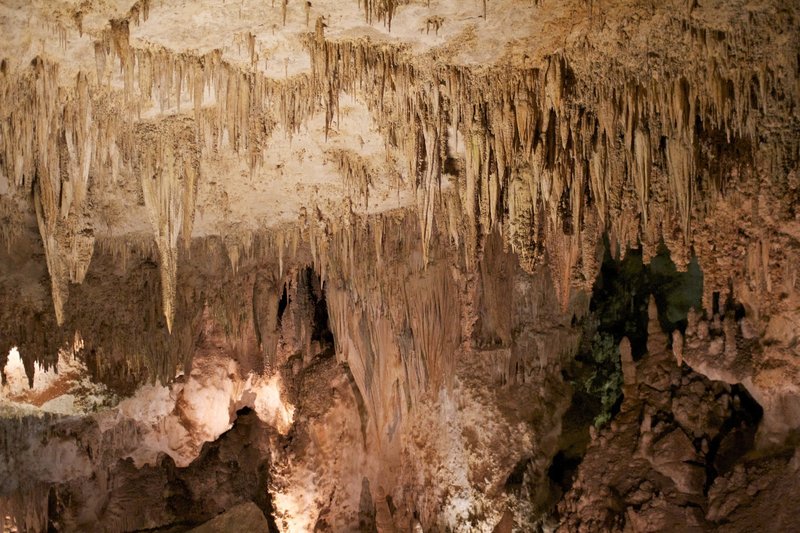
321	330
623	288
305	295
517	475
618	308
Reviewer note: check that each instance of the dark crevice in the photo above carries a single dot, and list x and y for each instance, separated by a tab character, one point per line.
736	437
517	475
563	470
366	511
321	331
283	303
451	166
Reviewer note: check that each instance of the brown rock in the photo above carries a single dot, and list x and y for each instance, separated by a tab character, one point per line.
243	517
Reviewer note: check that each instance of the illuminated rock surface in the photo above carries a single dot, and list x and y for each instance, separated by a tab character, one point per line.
400	265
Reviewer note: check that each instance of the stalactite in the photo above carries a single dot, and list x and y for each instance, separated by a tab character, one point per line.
168	163
49	140
554	155
565	128
355	170
381	10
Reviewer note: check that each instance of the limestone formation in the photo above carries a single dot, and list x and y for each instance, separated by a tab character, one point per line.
372	264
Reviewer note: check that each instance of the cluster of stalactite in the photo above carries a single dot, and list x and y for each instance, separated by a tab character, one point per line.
355	171
383	10
54	167
168	164
396	320
554	155
559	156
141	323
57	139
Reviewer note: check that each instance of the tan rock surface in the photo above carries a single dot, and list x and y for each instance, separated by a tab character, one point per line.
379	224
243	517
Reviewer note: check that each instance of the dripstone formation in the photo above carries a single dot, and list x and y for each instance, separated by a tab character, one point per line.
399	265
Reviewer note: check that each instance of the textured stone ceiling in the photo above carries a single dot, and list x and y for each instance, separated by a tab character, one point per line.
380	223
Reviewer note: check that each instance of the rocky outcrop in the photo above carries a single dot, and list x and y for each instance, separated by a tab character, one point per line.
246	516
669	455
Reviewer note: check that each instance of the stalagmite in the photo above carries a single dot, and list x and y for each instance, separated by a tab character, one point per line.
628	366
